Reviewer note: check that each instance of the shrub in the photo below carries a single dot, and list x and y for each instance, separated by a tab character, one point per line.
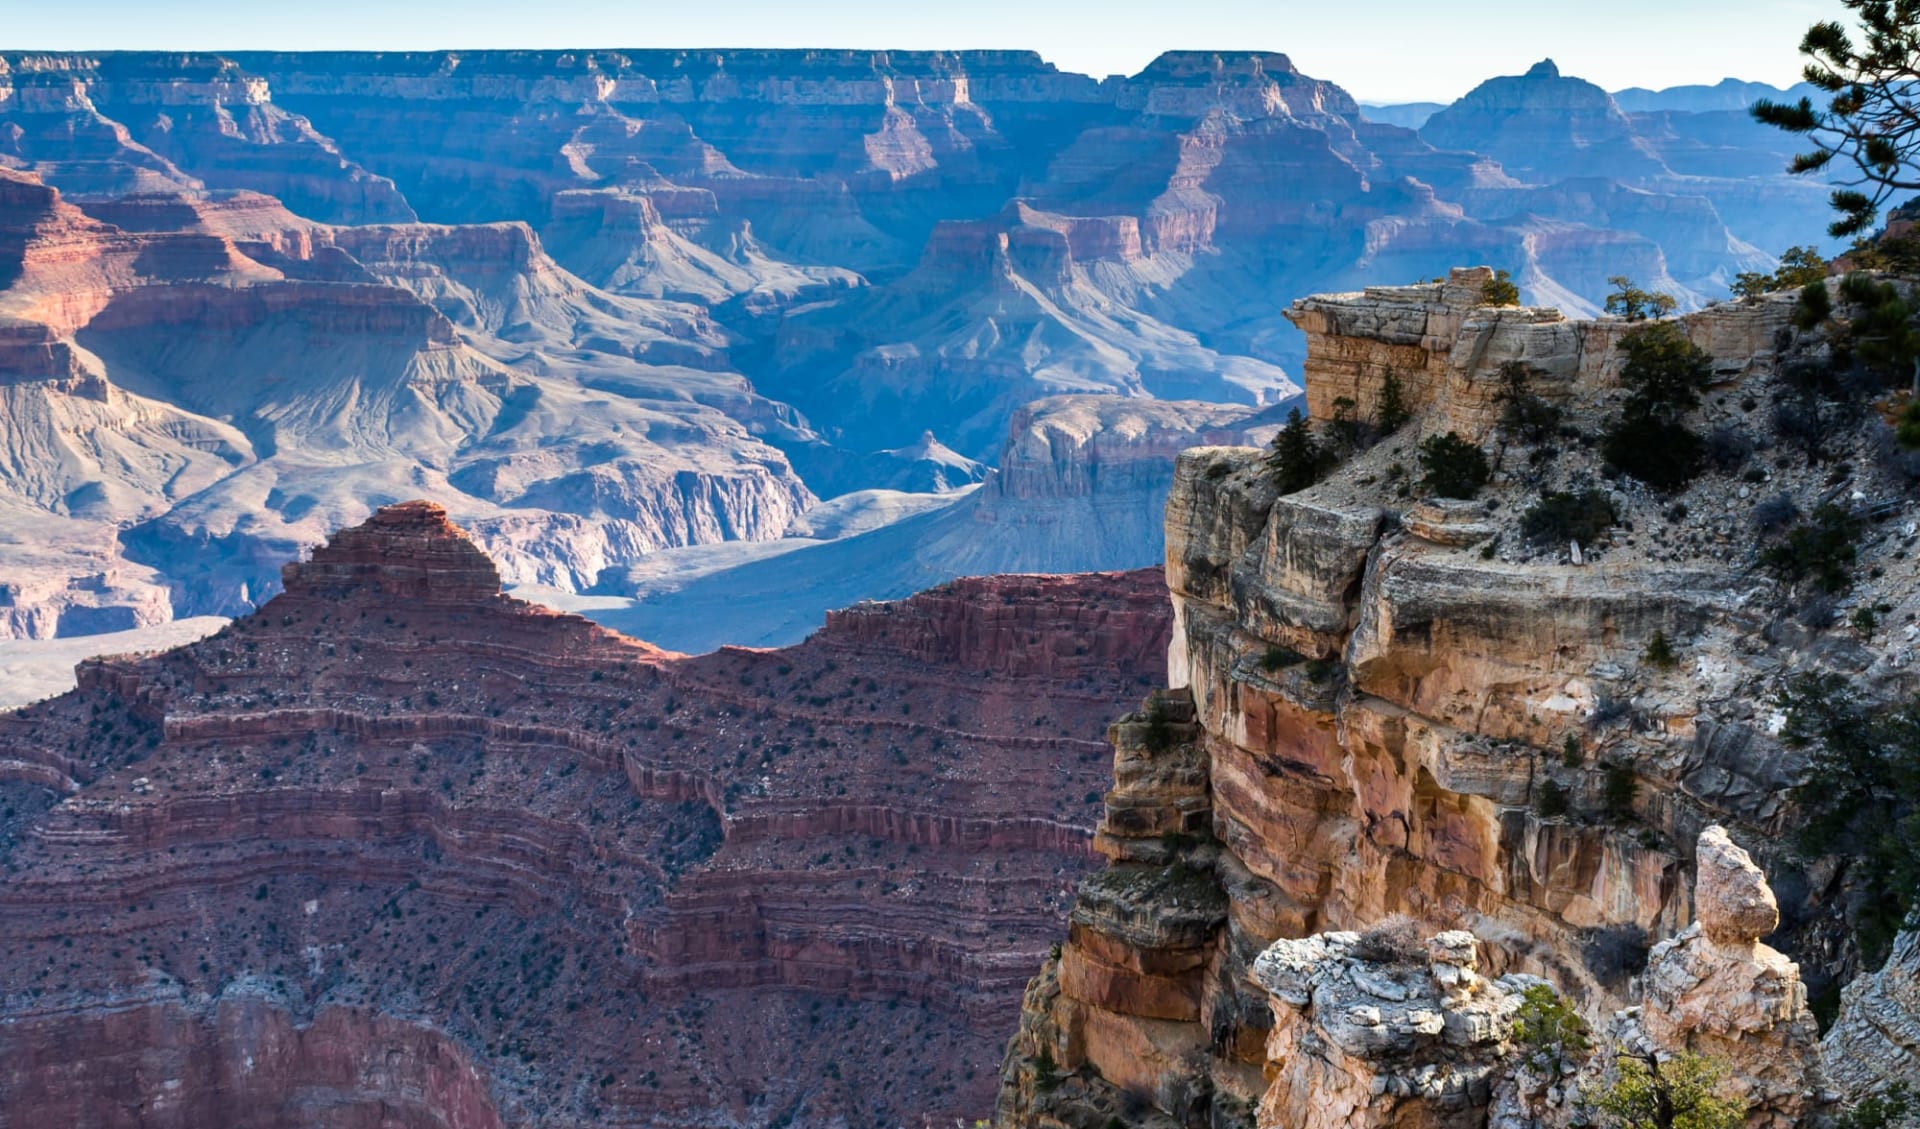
1634	304
1881	1111
1728	448
1046	1073
1661	453
1660	652
1906	427
1616	952
1347	432
1552	803
1680	1092
1550	1034
1861	796
1523	414
1500	290
1664	371
1814	306
1821	549
1297	459
1566	516
1617	794
1775	514
1392	409
1394	941
1452	467
1571	754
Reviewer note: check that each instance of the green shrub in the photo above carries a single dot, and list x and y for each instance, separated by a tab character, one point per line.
1880	1111
1552	803
1661	453
1680	1092
1392	410
1861	796
1523	414
1571	754
1500	290
1906	428
1617	794
1664	371
1822	549
1569	516
1550	1034
1046	1073
1452	467
1660	652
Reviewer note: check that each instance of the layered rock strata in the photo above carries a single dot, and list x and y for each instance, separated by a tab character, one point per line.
398	842
1409	705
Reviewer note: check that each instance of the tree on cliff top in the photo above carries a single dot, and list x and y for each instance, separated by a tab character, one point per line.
1630	302
1870	123
1297	458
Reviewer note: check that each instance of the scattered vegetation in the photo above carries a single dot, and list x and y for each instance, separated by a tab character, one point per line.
1799	267
1394	941
1500	290
1681	1092
1452	467
1861	796
1881	1111
1630	302
1549	1033
1821	549
1562	516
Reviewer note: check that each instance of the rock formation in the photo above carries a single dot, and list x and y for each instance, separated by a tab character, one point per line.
1404	704
399	849
669	298
1370	1043
1715	989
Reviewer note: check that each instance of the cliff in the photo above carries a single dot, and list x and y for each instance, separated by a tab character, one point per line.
399	849
1385	703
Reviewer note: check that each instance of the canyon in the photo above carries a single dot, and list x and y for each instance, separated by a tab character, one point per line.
396	849
605	305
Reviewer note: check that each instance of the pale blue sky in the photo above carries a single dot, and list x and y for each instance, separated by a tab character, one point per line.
1381	50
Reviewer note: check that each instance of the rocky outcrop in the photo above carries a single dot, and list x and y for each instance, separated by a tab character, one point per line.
1369	1043
1716	989
1407	705
398	838
1876	1037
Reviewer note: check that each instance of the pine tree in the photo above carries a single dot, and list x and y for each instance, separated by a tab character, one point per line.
1297	459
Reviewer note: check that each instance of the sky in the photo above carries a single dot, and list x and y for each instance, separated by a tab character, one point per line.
1380	50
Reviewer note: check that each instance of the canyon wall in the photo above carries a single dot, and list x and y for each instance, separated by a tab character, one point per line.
399	850
670	298
1386	703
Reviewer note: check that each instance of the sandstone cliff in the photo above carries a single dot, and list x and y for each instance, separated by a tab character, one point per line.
1387	703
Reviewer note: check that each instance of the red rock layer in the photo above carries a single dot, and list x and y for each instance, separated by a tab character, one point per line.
489	864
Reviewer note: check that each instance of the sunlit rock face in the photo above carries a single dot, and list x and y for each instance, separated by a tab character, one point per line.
1385	703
